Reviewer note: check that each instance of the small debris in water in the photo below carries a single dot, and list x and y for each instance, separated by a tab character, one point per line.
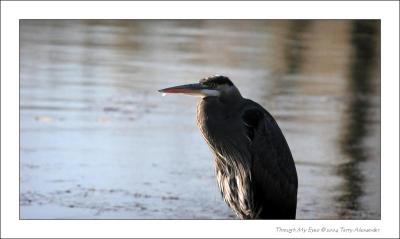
169	198
110	109
103	119
44	119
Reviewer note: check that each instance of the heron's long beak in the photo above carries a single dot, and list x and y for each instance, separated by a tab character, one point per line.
191	89
186	89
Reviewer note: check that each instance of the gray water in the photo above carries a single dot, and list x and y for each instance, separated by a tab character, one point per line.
97	141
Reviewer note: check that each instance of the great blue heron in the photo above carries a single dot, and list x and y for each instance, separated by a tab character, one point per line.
254	166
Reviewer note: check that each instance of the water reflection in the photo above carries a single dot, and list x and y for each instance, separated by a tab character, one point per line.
357	127
295	45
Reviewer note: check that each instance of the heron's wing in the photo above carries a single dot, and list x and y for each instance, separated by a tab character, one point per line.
274	174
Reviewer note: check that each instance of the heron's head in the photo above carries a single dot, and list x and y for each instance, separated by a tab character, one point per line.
212	86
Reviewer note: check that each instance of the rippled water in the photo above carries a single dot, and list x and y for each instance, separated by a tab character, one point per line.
98	141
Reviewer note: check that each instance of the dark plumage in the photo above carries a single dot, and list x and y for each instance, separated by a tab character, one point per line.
253	163
217	80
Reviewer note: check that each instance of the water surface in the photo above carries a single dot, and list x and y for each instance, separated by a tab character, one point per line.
98	141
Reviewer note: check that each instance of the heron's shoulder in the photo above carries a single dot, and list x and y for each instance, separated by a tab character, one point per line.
250	108
249	104
253	108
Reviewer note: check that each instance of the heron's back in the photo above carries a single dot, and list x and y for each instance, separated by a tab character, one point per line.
254	166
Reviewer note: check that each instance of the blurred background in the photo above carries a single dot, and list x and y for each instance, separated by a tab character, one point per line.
97	141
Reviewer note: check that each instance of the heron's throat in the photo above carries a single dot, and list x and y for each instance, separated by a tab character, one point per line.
209	92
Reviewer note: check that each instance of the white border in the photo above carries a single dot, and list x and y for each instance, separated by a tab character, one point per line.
11	12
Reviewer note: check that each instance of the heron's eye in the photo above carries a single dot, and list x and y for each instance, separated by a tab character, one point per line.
211	84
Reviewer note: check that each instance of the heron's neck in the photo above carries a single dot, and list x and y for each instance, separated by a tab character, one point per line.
217	108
